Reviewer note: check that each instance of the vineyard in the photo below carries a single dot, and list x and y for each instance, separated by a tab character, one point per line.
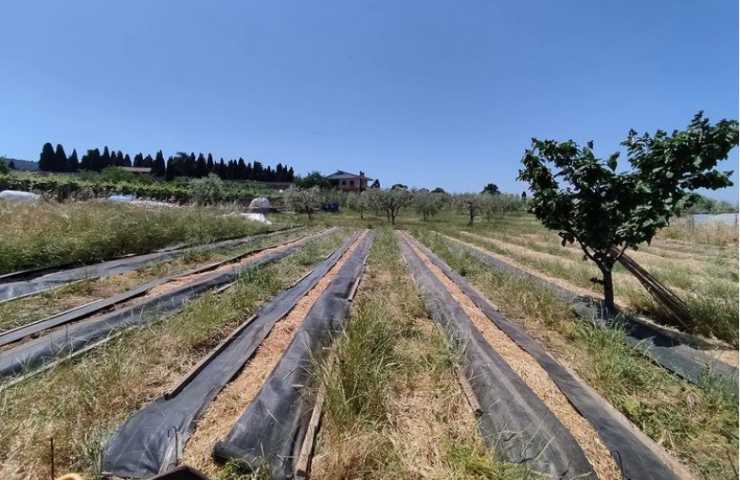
70	187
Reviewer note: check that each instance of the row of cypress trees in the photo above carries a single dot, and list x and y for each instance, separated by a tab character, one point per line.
179	165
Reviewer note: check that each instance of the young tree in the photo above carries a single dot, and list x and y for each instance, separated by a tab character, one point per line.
428	204
207	190
389	201
491	189
358	202
586	201
471	204
305	201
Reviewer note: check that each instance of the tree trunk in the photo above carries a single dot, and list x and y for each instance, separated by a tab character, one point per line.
362	212
608	290
470	222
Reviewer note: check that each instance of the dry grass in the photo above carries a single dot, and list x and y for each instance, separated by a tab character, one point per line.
81	402
226	408
535	377
697	425
393	407
50	233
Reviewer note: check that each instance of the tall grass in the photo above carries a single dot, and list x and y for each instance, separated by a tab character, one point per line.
697	424
81	402
393	407
51	233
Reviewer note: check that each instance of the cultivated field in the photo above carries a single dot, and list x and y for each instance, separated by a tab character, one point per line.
420	358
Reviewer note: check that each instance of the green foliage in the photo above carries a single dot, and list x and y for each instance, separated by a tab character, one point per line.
357	202
92	185
313	179
4	168
118	175
208	190
389	201
491	189
586	201
306	201
428	204
470	203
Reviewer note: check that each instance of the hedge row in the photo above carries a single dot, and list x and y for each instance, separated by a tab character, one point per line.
63	188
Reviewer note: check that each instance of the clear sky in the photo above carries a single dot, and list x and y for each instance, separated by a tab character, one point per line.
424	93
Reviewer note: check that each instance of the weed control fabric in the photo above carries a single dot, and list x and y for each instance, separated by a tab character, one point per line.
689	363
75	337
148	442
637	456
514	420
48	281
271	431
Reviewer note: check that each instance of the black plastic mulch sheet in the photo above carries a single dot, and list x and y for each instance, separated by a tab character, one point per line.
271	430
55	279
638	456
689	363
71	338
147	442
77	313
514	420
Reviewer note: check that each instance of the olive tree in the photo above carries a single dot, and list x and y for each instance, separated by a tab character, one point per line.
358	202
389	201
587	201
306	201
428	204
471	204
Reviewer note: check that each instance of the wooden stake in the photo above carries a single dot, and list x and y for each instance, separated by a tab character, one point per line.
468	392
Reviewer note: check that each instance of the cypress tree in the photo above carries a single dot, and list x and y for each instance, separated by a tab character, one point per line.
60	159
46	159
72	163
105	159
139	160
159	166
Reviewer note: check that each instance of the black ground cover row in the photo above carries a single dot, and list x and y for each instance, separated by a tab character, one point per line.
689	363
21	284
75	337
637	455
77	313
271	430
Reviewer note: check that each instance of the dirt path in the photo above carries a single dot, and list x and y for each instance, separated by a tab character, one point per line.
226	408
534	376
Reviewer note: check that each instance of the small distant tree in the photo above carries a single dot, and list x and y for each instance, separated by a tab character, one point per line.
306	201
358	202
491	189
4	167
207	190
428	204
470	203
439	190
586	201
313	179
389	202
399	186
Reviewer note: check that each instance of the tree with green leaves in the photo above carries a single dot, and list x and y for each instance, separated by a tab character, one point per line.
588	202
428	204
491	189
470	203
73	163
306	201
358	202
47	158
389	201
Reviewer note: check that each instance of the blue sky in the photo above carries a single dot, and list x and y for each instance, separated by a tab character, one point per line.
418	92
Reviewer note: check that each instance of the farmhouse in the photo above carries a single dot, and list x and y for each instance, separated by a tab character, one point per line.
349	182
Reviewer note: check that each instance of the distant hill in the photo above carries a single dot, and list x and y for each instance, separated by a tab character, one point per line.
25	165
